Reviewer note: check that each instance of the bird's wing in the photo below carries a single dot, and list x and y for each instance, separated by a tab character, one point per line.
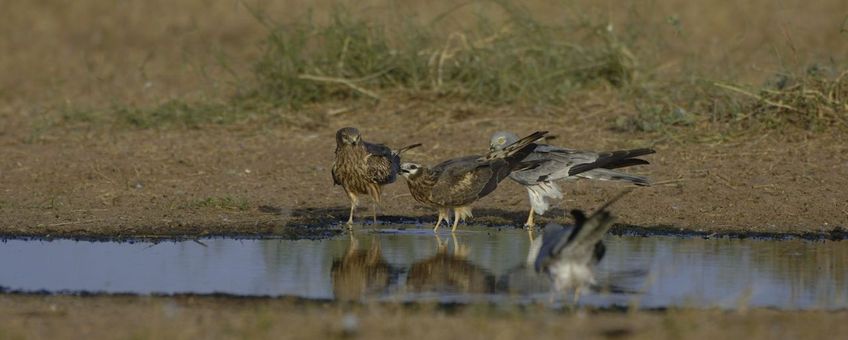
552	235
383	164
377	149
336	179
581	244
464	180
613	160
562	163
554	164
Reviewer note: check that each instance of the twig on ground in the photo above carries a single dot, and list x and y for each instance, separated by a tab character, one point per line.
342	81
755	96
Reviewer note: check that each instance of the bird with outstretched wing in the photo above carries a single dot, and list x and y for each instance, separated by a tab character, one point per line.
456	183
567	164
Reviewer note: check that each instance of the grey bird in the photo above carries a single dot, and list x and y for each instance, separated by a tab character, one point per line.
568	255
567	164
563	258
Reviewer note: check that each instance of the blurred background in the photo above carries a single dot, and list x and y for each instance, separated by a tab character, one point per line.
673	62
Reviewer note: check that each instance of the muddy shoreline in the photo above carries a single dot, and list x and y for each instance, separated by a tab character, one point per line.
252	180
316	230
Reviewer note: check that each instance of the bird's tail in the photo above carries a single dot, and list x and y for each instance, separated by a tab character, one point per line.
517	147
613	160
612	175
407	148
589	230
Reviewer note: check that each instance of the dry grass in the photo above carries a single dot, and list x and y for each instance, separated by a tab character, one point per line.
160	64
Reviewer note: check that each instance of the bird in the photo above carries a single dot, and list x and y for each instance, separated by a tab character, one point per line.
360	273
567	164
449	272
458	182
364	168
568	255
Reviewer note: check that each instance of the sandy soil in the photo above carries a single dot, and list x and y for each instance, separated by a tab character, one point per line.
50	317
90	180
255	179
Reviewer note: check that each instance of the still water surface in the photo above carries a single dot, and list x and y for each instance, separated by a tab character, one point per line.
414	265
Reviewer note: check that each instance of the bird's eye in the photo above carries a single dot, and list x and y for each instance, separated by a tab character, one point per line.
501	140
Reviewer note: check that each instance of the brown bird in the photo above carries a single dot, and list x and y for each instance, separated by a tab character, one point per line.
449	272
364	168
456	183
360	273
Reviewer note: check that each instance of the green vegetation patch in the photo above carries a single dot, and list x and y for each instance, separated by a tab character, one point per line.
519	60
514	60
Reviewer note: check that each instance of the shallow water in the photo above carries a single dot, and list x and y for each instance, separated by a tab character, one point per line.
478	264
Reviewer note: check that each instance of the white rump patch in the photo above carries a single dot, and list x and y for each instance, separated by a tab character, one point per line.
571	275
538	194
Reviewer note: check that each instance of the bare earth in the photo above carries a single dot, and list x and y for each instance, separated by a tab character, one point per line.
91	180
252	179
264	177
104	317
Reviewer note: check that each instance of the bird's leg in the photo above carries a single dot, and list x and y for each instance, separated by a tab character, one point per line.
455	220
530	223
458	248
576	296
439	244
354	244
439	220
375	198
354	201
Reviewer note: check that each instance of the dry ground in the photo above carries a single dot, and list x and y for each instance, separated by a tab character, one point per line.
35	317
91	179
195	182
88	179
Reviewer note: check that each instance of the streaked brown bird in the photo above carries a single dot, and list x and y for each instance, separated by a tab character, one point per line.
449	272
456	183
360	273
364	168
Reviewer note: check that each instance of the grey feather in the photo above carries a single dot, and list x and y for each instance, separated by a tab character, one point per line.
556	163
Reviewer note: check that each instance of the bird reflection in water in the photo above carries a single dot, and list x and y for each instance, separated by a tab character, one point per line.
449	272
360	272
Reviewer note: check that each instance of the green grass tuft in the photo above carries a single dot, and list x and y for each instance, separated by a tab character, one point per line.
516	61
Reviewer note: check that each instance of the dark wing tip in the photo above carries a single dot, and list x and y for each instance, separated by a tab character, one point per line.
579	216
407	148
